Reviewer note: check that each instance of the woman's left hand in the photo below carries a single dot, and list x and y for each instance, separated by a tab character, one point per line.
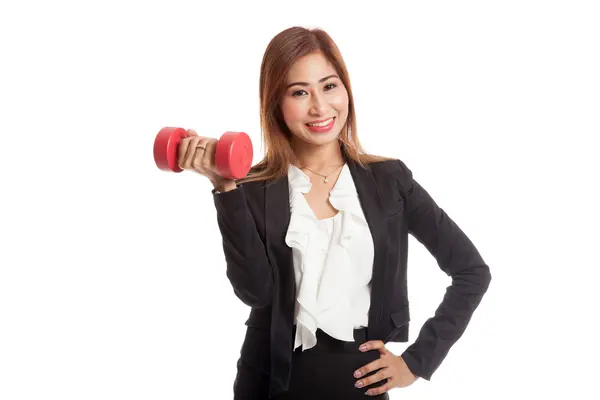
390	366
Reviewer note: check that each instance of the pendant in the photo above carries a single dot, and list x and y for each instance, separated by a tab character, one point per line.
325	180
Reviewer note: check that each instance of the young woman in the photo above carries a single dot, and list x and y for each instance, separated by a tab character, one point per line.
316	238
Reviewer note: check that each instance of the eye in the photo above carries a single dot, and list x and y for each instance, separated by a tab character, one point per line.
329	85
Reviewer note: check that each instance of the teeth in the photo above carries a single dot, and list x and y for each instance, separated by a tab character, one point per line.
324	123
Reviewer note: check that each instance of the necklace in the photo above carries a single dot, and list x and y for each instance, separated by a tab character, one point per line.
323	176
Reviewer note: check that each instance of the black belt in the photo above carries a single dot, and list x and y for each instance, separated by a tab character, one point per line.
327	344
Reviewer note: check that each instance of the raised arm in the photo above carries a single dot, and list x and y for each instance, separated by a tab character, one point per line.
248	267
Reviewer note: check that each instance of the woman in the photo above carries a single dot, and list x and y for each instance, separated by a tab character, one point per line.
316	236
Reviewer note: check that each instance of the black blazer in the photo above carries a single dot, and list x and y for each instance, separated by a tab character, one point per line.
253	220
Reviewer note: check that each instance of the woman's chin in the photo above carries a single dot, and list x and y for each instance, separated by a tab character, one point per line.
321	140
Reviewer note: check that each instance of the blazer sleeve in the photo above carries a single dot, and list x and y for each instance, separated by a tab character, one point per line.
458	258
248	268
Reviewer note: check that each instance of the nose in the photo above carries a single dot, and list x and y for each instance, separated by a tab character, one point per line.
318	105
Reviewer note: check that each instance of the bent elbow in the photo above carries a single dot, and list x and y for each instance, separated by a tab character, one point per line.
486	277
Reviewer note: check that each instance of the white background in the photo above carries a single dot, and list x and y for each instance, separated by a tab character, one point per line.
112	279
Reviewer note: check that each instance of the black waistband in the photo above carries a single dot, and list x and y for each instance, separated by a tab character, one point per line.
329	344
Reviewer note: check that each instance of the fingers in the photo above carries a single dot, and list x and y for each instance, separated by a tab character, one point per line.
187	150
372	366
209	155
202	160
193	152
381	375
197	153
380	389
372	345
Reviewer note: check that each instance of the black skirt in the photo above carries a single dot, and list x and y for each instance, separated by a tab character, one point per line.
324	372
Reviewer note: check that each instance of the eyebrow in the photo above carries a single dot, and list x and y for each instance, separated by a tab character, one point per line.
306	84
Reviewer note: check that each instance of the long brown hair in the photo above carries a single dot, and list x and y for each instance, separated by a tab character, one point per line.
281	53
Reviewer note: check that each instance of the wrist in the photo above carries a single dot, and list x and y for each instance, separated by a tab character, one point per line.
224	185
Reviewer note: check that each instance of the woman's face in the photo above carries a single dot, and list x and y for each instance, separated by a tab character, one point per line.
314	93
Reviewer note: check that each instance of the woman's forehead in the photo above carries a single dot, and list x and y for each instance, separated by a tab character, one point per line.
310	69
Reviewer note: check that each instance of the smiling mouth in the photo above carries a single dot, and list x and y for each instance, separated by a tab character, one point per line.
323	123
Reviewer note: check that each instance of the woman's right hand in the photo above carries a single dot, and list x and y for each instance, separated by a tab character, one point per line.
197	153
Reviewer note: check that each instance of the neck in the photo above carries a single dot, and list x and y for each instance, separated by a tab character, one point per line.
318	157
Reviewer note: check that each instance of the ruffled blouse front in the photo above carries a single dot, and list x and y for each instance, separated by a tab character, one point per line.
333	261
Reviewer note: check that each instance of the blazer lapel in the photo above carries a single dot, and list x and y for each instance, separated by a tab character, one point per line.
370	201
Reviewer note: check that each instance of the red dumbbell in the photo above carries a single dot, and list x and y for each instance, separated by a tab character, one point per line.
233	153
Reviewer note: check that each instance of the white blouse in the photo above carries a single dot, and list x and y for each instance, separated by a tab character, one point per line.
333	261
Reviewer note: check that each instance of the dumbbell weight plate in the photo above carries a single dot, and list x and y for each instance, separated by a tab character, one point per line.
165	148
233	155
